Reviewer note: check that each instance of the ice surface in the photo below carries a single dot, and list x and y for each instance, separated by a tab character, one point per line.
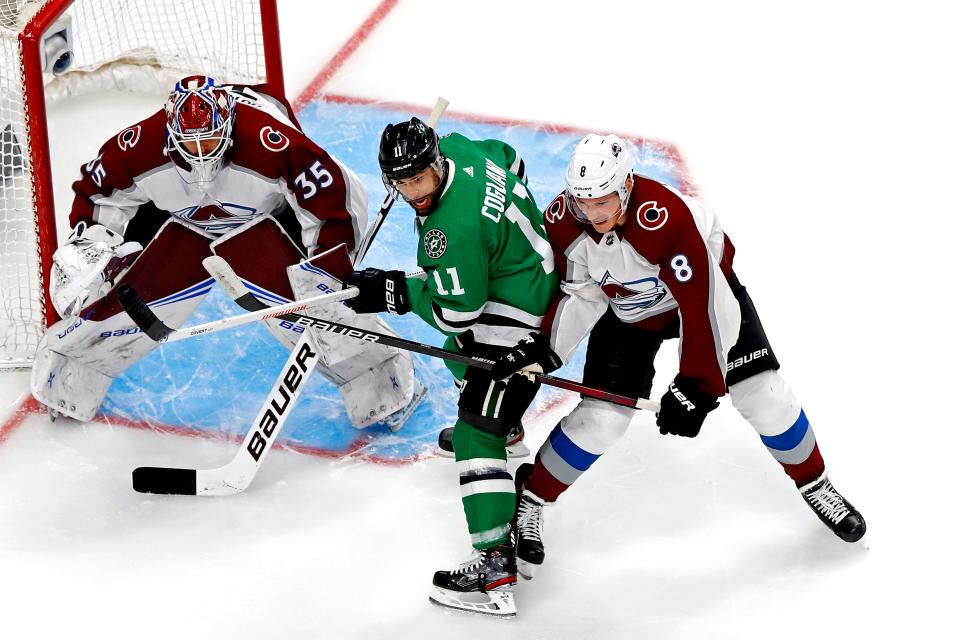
824	136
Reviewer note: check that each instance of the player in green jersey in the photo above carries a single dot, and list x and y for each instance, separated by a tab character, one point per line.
489	278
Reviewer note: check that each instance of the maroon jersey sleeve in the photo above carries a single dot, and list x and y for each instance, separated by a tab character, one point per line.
329	201
106	192
663	228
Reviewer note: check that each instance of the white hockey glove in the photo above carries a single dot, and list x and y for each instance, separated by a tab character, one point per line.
86	265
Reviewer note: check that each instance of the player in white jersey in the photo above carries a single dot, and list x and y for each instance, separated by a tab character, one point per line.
641	263
222	170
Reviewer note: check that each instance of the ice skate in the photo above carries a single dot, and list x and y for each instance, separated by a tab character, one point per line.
515	445
397	419
834	510
528	526
484	584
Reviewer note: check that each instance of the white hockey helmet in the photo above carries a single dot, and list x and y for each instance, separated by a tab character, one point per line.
600	165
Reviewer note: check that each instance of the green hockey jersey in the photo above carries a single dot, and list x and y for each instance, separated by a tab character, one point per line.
488	264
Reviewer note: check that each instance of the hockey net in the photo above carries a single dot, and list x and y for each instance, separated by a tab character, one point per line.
134	45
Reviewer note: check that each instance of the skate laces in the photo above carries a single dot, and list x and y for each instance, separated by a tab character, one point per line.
477	559
530	519
828	501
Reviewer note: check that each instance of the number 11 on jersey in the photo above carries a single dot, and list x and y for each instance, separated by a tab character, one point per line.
456	290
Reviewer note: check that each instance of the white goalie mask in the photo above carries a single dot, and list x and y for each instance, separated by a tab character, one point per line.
600	165
200	116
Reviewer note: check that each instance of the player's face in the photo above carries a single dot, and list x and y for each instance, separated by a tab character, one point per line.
419	190
202	148
603	213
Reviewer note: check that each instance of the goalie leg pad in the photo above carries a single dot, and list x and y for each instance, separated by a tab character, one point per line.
374	380
103	341
67	385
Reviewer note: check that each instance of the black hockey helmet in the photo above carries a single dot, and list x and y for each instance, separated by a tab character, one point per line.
407	148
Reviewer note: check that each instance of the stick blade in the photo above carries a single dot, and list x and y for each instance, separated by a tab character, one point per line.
165	481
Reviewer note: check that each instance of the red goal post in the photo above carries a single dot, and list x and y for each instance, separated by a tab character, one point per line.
136	45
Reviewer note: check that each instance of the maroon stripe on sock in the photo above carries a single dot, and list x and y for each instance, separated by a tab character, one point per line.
808	470
542	483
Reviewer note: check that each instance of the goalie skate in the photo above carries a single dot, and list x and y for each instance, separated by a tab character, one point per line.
396	420
515	446
484	584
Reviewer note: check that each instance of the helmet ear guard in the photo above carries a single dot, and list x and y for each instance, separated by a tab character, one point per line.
599	166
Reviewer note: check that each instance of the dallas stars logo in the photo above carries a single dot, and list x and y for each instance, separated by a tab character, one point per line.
434	243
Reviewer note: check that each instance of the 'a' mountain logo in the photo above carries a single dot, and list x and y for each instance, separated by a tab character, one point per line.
636	294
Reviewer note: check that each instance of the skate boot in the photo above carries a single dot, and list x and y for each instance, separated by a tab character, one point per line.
528	525
483	584
397	419
834	510
515	446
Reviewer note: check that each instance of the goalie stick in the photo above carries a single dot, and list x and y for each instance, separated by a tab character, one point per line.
236	475
150	324
231	282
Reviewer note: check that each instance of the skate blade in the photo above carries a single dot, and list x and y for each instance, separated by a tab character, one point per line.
518	450
497	603
526	569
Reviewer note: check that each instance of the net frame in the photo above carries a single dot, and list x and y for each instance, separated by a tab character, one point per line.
143	64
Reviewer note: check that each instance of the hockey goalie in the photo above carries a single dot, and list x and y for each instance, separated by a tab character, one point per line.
222	170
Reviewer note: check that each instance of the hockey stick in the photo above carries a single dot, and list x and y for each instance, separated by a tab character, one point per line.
228	279
438	109
150	324
236	475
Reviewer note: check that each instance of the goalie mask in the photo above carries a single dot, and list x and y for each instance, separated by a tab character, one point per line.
599	166
200	117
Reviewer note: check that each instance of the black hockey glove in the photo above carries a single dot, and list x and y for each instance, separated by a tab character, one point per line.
684	407
379	291
531	355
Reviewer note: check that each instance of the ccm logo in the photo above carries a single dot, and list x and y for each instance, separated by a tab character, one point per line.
280	402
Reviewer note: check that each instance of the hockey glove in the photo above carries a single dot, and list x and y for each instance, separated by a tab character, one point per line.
531	355
87	265
684	407
379	291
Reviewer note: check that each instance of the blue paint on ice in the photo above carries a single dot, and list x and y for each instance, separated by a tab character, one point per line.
216	383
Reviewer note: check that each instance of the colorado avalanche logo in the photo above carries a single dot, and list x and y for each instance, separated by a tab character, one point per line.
219	217
650	216
629	296
273	139
128	138
555	211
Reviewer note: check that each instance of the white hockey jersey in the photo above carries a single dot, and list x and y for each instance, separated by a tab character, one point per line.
270	165
670	257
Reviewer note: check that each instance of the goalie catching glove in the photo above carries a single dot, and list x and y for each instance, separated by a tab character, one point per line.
531	355
85	267
379	291
684	407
